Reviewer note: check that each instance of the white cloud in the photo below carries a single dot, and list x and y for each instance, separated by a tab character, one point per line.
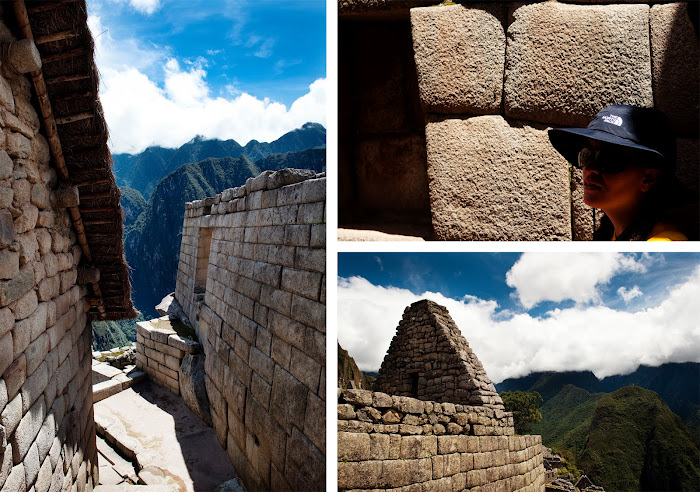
629	294
145	6
141	113
595	338
539	277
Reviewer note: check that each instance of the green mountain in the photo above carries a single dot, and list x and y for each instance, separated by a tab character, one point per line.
566	419
152	243
143	171
676	383
635	442
133	204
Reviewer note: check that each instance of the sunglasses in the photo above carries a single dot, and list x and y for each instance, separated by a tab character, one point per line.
606	160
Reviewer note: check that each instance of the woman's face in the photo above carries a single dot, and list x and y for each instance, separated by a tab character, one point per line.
614	191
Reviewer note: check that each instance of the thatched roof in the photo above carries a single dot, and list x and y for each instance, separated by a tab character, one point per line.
78	132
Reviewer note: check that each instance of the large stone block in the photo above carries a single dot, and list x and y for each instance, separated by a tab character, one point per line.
305	464
460	54
564	63
493	179
675	60
399	160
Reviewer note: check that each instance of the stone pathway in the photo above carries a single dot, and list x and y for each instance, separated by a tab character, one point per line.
170	445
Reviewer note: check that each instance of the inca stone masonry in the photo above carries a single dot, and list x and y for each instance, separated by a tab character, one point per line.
435	421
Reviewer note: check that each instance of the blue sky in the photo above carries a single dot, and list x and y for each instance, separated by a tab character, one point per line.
604	312
172	69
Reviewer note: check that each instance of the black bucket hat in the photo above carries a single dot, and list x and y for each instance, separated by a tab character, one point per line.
644	129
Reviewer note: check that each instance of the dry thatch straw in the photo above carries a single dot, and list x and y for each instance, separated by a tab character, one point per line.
66	95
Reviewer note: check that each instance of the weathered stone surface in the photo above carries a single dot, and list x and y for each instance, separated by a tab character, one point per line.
288	176
192	387
675	60
564	63
7	228
399	160
23	56
460	54
11	290
353	446
493	179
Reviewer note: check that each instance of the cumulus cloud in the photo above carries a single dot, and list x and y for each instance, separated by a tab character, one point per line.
141	112
538	277
145	6
629	294
585	337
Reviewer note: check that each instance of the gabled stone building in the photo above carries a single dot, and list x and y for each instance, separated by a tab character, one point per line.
61	253
434	421
429	359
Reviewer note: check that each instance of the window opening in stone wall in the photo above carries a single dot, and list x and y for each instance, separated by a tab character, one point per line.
202	263
414	383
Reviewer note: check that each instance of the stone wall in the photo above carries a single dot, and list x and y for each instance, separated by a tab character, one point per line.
261	321
390	442
160	350
493	77
47	430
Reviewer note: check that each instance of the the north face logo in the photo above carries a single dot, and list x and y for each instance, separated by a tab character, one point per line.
613	120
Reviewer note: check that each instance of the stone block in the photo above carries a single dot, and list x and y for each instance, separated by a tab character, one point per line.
6	351
492	179
353	446
288	400
414	447
675	56
27	220
297	235
9	264
36	352
288	330
16	480
7	228
305	369
301	282
309	312
11	290
105	389
399	160
27	430
261	364
286	177
34	386
25	305
358	397
460	54
281	352
305	463
6	165
564	63
312	259
270	434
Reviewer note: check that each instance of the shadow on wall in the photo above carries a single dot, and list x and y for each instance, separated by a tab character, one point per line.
436	105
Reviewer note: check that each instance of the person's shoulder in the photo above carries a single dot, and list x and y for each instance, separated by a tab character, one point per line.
666	232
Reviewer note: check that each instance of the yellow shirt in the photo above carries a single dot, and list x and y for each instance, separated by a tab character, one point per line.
666	232
663	232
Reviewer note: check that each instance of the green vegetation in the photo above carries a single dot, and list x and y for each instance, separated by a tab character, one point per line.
152	243
525	408
111	334
133	204
636	443
566	419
